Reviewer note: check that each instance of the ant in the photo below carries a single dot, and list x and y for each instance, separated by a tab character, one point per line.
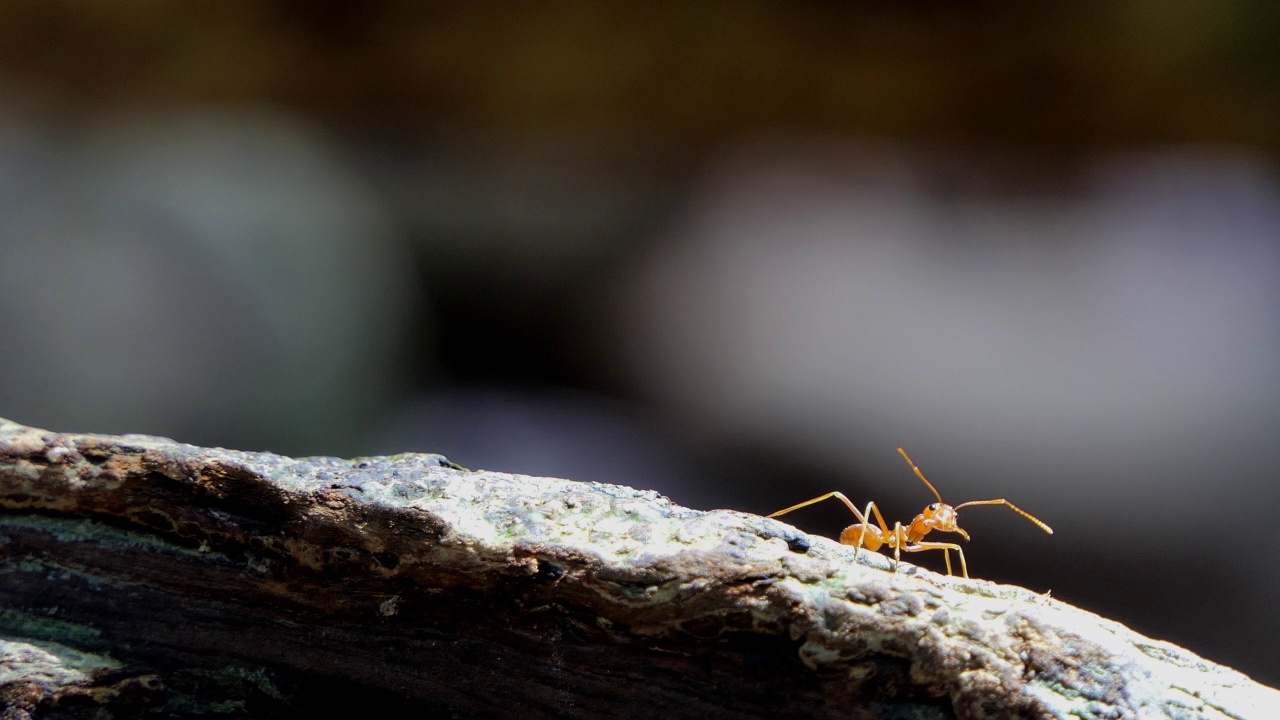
937	516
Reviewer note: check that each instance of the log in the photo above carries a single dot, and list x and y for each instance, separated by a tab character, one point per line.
138	574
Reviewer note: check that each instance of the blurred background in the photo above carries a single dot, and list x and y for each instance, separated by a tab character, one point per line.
736	252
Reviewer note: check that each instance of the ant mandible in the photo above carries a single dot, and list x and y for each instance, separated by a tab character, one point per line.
937	516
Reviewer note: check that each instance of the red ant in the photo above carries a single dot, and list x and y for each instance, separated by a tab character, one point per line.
937	516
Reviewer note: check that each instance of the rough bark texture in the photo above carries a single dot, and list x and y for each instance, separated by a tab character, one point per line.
138	574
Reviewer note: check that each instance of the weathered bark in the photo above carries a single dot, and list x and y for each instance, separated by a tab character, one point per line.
137	573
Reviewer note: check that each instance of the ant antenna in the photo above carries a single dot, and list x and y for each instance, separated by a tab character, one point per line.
1012	507
920	475
1040	524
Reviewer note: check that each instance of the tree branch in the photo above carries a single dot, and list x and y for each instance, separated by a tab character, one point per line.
139	573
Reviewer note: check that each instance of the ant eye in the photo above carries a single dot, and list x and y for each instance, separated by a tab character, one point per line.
933	506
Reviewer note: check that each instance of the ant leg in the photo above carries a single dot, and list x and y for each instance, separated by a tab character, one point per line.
884	528
837	495
881	536
945	548
871	508
899	541
862	533
899	535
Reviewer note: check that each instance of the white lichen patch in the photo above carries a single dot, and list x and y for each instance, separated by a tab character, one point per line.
25	661
390	606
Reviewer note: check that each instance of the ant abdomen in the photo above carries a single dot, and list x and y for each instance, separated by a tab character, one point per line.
859	535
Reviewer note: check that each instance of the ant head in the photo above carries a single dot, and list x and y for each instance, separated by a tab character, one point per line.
943	517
